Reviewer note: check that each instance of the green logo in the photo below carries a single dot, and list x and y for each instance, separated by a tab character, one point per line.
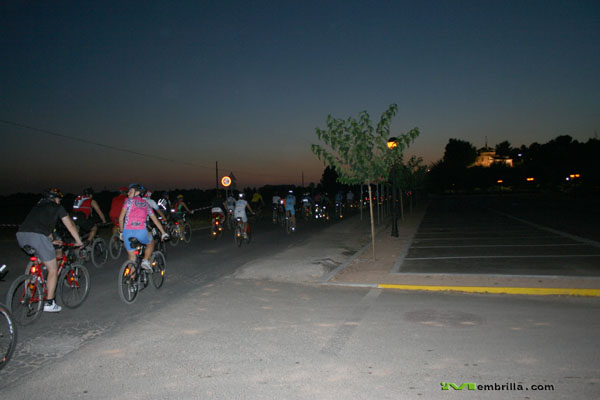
448	385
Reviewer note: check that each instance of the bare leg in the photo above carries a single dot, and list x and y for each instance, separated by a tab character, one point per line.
52	278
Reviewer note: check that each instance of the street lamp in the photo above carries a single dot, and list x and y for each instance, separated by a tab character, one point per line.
392	143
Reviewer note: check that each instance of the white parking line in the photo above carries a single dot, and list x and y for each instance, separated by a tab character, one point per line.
501	245
511	256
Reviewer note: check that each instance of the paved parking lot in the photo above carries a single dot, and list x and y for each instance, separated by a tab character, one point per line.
466	236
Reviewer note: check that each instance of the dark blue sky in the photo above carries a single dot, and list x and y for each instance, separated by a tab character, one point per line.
246	83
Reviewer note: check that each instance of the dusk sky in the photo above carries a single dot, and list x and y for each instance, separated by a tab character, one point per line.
245	83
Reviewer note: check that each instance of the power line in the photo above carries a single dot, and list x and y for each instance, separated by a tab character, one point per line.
123	150
106	146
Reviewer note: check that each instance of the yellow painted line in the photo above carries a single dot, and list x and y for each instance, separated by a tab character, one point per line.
503	290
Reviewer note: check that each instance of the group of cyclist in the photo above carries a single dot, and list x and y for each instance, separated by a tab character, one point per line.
130	213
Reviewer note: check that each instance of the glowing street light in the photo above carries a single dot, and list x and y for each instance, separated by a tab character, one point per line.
392	143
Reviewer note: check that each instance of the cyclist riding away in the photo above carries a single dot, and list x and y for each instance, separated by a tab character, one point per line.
257	201
179	207
84	216
165	204
240	212
275	202
115	208
36	232
154	205
217	209
132	222
290	208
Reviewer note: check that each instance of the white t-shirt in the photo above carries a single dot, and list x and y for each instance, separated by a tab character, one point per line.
240	210
276	200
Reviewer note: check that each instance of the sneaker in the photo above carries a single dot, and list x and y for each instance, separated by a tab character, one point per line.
146	265
52	307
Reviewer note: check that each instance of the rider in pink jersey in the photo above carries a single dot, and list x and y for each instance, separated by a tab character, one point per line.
132	222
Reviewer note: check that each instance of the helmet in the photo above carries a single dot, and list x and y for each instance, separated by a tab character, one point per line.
148	193
88	191
290	191
241	195
180	196
51	194
137	187
123	189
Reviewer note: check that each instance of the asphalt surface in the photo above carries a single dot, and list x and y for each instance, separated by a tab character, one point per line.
253	322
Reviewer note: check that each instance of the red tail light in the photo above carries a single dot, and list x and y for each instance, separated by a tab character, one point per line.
33	259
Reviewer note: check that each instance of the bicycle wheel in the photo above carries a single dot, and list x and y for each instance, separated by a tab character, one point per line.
175	237
187	233
25	299
237	235
73	285
248	235
128	287
8	336
99	252
158	269
162	247
115	246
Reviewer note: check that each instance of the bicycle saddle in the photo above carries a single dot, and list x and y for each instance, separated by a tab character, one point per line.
29	250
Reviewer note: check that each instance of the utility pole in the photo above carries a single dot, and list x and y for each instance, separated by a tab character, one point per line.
217	175
302	178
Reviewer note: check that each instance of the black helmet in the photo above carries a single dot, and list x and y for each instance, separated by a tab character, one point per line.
88	191
51	194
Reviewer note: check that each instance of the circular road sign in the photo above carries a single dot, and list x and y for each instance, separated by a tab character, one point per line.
226	181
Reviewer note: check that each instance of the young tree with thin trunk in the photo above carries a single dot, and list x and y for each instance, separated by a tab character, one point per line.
359	153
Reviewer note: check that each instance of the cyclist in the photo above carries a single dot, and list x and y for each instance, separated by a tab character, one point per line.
154	205
217	208
240	212
256	199
290	208
229	206
132	222
349	198
115	208
36	231
275	202
165	204
83	213
306	204
339	198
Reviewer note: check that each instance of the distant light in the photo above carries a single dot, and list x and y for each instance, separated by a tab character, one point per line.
520	154
530	179
499	181
392	143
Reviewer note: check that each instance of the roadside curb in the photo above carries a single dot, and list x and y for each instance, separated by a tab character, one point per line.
497	290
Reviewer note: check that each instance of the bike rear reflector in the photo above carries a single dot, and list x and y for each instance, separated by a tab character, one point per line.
33	269
136	252
126	272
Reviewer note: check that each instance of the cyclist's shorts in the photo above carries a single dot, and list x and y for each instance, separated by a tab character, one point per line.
41	244
290	209
241	215
142	235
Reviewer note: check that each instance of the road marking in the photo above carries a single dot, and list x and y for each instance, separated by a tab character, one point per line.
501	245
556	231
529	256
498	290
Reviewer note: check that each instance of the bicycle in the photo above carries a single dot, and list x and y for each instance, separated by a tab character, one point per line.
115	245
8	336
239	236
133	278
162	244
216	229
97	252
27	294
180	231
